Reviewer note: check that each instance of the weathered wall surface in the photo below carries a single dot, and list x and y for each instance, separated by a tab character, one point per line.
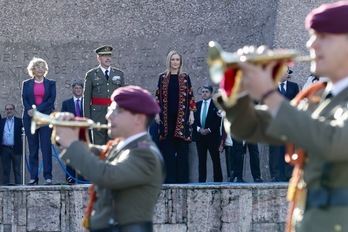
225	208
65	34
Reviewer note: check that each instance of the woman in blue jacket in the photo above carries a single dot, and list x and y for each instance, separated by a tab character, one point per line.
41	92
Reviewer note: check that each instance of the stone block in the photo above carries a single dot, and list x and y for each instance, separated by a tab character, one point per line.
44	211
204	209
170	228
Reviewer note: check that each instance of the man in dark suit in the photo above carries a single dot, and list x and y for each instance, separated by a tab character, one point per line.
74	105
279	169
129	172
206	134
11	145
100	83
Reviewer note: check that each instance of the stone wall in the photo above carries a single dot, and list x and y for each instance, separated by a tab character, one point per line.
180	208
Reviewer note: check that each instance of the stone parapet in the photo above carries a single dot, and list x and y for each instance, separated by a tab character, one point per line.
192	207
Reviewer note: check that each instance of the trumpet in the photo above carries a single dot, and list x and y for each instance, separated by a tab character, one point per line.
39	120
224	70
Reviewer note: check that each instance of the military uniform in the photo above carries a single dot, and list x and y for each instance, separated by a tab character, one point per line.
128	182
97	95
327	158
127	173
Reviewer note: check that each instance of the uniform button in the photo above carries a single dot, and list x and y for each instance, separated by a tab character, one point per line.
108	90
283	137
107	83
68	161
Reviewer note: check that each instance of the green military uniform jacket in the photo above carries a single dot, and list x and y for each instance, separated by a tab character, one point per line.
321	129
127	182
96	86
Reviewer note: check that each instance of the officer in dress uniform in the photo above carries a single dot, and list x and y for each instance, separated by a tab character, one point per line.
100	83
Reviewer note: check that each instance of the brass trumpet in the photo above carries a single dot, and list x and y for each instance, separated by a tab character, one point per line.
39	119
224	70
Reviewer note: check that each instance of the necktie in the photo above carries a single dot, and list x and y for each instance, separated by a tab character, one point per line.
77	108
282	89
107	75
204	113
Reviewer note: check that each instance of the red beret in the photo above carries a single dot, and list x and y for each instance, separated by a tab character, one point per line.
329	18
135	99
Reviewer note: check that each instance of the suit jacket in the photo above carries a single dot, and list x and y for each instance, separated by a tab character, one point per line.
292	89
17	133
128	181
28	98
69	106
320	128
96	86
212	121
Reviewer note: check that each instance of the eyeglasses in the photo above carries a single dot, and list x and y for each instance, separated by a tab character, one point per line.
9	109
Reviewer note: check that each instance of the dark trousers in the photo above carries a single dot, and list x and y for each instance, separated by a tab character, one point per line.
204	145
8	157
238	159
42	139
229	162
238	151
279	169
175	155
254	159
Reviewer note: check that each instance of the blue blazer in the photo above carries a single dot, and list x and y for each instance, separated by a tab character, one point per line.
17	133
28	99
69	106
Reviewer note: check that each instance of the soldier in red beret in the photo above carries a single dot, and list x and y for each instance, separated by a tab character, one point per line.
318	190
128	172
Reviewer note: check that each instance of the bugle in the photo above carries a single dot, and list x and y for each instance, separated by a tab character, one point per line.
224	70
39	119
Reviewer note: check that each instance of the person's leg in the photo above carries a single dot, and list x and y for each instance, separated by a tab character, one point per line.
274	163
46	150
16	164
6	165
238	159
33	145
202	160
213	148
229	162
182	161
168	153
254	161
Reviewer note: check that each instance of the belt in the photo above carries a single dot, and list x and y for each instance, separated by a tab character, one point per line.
133	227
324	198
8	146
100	101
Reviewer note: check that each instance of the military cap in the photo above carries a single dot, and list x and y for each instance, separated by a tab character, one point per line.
135	99
329	18
104	50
